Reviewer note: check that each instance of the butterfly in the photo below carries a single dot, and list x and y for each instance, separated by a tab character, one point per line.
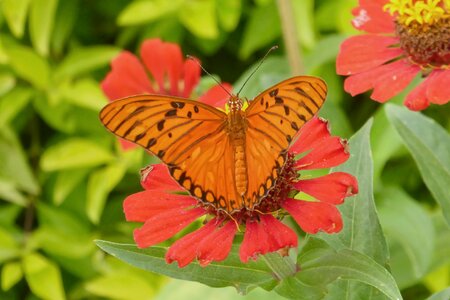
228	160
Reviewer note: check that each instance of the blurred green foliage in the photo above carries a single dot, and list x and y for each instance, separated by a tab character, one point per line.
63	177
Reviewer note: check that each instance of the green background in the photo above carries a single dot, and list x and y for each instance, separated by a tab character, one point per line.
55	154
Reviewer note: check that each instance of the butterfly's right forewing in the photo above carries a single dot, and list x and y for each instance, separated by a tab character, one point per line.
274	118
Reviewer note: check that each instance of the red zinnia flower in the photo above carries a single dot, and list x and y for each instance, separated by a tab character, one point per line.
170	75
404	38
165	211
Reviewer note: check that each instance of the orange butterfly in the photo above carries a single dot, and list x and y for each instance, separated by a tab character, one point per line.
231	160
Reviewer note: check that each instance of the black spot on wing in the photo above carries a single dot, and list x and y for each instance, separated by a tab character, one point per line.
177	104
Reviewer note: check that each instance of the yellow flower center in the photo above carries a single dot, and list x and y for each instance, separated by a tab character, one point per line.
423	28
418	11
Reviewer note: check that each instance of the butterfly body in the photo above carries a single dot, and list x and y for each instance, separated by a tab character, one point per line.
229	161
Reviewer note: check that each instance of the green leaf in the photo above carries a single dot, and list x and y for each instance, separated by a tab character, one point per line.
27	64
324	51
362	231
15	13
229	12
74	153
178	289
139	12
304	21
10	248
65	20
262	28
200	18
63	220
100	184
231	272
385	143
85	93
271	72
13	103
11	274
7	82
10	192
66	182
43	277
111	286
84	60
348	265
410	235
429	145
442	295
42	15
13	163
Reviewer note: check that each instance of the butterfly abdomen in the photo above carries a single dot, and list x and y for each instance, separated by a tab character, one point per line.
237	137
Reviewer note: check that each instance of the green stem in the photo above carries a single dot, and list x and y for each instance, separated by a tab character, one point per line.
282	266
290	36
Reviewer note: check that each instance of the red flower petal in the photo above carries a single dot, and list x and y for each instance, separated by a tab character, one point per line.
191	77
127	77
370	17
313	217
152	53
265	236
417	98
310	135
184	250
387	80
140	207
174	65
126	145
165	225
438	90
157	178
328	153
216	96
217	245
364	52
332	188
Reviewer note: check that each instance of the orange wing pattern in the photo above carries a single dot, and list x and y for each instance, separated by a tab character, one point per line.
273	119
188	136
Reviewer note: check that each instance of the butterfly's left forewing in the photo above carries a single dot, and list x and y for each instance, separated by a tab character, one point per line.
273	119
188	136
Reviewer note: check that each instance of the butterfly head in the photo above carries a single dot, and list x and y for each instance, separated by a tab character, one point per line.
234	103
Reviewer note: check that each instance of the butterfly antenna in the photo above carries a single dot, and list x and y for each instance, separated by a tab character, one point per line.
257	67
204	70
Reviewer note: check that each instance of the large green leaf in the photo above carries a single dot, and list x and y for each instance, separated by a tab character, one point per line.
100	184
262	28
410	235
10	248
231	272
429	144
362	230
11	274
74	153
111	286
15	13
200	18
13	103
229	12
14	166
43	277
442	295
138	12
178	289
27	64
83	60
348	265
42	15
303	12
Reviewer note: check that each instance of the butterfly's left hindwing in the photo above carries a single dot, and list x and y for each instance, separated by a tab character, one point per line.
273	120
